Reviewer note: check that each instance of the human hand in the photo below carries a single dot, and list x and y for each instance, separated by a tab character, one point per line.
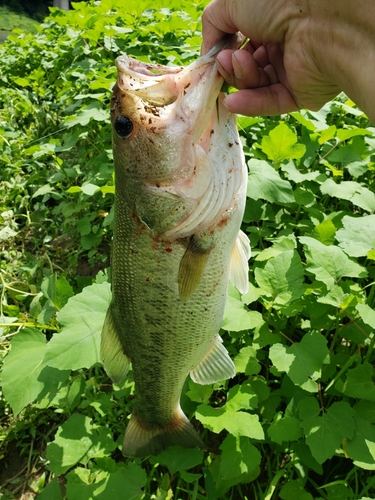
279	72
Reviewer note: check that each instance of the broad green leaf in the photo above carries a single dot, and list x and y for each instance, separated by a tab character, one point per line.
246	361
76	441
177	458
352	191
336	297
357	237
367	314
283	245
52	491
241	397
325	232
329	263
324	434
22	367
361	449
285	429
294	489
125	483
237	317
265	183
238	457
282	278
236	423
327	134
302	361
281	144
359	382
58	291
78	343
199	393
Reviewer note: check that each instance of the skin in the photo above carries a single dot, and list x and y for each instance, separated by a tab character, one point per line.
301	53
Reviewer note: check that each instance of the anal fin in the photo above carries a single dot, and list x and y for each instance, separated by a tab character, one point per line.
215	366
192	266
239	266
115	362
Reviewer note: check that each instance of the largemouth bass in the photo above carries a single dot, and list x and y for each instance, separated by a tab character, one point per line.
180	194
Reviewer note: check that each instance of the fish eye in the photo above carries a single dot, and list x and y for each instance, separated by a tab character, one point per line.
123	126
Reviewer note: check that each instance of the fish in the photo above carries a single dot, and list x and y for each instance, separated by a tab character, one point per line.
180	189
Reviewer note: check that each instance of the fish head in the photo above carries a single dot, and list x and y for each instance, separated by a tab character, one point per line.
158	113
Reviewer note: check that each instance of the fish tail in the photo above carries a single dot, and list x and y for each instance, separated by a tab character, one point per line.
143	439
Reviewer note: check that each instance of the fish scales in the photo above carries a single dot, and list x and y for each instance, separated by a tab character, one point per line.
180	193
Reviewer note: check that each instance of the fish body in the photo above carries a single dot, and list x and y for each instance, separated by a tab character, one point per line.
180	193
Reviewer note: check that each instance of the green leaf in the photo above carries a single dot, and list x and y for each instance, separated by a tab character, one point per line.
22	367
266	184
281	144
352	191
238	457
329	263
246	361
52	491
78	343
177	458
357	237
294	489
359	382
237	317
76	441
236	423
285	429
367	314
303	361
241	397
362	447
282	278
132	476
325	232
324	435
58	291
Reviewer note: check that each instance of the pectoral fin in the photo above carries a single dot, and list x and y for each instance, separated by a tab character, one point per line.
239	266
215	366
115	362
192	266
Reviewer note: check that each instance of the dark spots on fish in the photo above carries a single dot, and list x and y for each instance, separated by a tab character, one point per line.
169	250
187	86
113	109
237	143
113	98
212	131
230	144
152	142
122	94
223	221
149	121
134	251
157	184
147	279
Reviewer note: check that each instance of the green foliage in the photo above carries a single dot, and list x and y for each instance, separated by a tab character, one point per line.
298	420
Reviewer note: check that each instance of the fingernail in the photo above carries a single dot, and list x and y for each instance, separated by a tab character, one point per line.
225	104
238	72
222	71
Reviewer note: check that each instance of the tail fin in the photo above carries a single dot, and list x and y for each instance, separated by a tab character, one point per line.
143	439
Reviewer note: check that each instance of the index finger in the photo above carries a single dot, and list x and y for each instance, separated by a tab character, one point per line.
216	23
